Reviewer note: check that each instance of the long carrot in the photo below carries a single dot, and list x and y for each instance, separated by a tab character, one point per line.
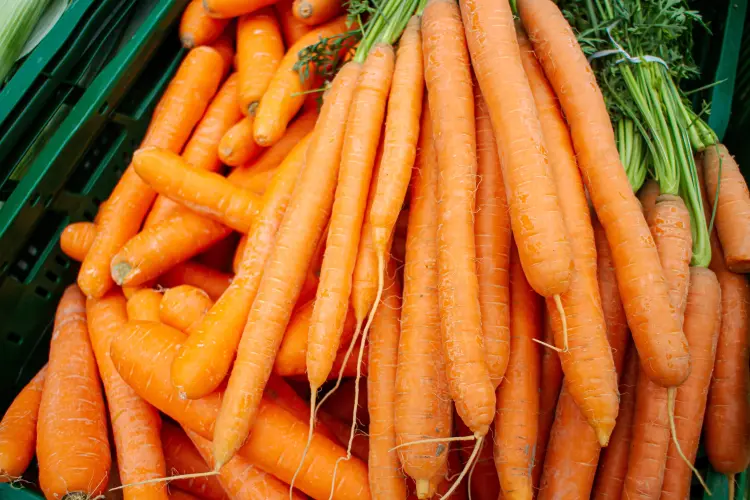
285	269
135	423
518	395
18	429
285	93
278	439
702	325
233	8
72	444
206	358
237	147
292	28
260	49
551	377
451	100
590	376
144	305
423	406
183	307
77	238
213	282
178	111
201	151
312	12
732	208
197	27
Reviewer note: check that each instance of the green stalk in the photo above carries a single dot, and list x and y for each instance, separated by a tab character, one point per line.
19	17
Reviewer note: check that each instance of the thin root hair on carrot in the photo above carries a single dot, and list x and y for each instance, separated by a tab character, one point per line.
345	362
436	440
313	412
549	346
563	320
671	395
167	479
468	467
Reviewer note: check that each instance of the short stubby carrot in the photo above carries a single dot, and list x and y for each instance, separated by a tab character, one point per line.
197	27
285	93
77	238
233	8
535	215
260	49
72	443
702	326
211	281
18	429
183	307
660	341
732	208
292	28
237	147
448	78
518	395
144	305
179	109
313	12
135	423
286	268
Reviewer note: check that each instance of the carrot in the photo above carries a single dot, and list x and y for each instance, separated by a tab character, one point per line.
551	378
237	147
518	396
18	429
645	294
197	27
135	423
206	193
201	151
224	45
423	405
386	478
183	458
648	194
239	253
591	379
282	394
179	109
76	239
242	480
176	494
313	12
260	49
285	93
233	8
144	305
163	245
454	468
183	307
492	236
702	325
213	282
278	439
285	270
207	357
732	208
484	483
72	444
613	463
292	28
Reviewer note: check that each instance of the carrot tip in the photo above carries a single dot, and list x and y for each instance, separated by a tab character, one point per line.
423	488
252	108
76	495
602	436
305	10
187	41
120	272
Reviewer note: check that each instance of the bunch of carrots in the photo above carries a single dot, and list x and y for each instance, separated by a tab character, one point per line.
424	194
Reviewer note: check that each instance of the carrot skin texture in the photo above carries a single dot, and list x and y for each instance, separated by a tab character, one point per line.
278	439
223	9
518	397
445	53
197	27
211	281
135	423
702	325
237	146
183	307
286	269
260	49
179	109
72	443
144	305
77	238
18	429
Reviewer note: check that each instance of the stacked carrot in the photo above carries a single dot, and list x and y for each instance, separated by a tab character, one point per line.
411	230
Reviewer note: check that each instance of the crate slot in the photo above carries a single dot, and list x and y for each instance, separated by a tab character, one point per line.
14	338
99	150
45	232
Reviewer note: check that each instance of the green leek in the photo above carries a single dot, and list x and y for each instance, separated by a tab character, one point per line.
17	21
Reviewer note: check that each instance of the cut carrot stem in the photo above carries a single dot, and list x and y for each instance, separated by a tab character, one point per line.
312	12
197	27
260	49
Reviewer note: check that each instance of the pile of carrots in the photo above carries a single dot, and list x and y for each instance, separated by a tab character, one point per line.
438	282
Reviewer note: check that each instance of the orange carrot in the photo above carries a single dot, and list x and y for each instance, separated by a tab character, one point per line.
72	444
451	100
492	236
312	12
518	395
702	325
586	359
224	45
213	282
178	111
233	8
18	429
135	423
260	49
176	494
551	378
206	193
183	307
201	151
484	483
162	246
144	305
454	468
237	147
285	93
239	253
732	208
386	478
423	405
648	194
197	27
76	239
278	439
282	394
292	28
285	270
645	293
207	357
